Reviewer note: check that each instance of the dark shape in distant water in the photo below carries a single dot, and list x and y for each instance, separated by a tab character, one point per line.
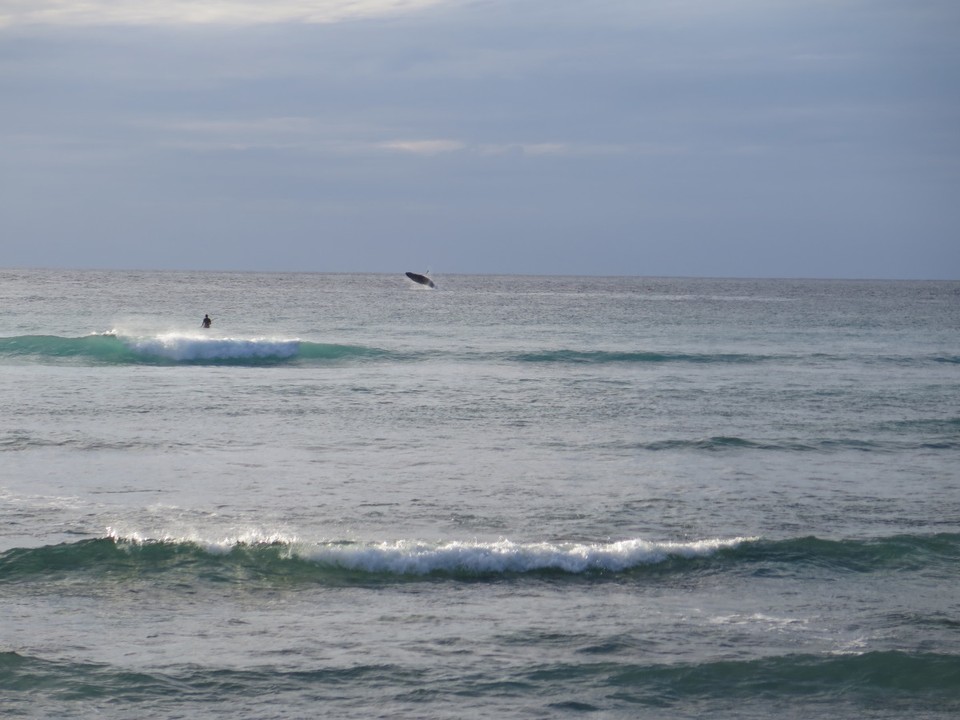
422	279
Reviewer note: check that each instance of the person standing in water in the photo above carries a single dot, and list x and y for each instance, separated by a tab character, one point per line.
206	322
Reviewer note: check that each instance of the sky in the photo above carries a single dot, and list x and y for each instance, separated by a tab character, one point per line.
720	138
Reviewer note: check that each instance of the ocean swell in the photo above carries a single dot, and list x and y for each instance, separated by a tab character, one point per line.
176	348
272	558
118	554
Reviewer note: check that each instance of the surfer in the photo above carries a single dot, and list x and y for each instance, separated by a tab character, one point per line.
206	322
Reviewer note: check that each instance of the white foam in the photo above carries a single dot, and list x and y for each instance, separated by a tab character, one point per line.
219	546
419	558
184	347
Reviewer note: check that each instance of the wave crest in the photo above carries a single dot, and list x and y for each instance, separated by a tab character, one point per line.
269	558
189	348
504	556
116	348
286	556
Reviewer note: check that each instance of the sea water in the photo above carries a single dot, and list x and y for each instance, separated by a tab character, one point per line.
507	497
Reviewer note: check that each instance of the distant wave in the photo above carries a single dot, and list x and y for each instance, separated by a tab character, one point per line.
601	357
118	348
271	559
619	356
178	348
721	443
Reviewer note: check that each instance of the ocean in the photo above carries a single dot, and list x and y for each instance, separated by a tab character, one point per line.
506	497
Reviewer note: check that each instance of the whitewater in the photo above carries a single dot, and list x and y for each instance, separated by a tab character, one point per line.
503	497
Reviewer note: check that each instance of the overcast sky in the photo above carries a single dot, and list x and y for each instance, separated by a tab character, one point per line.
776	138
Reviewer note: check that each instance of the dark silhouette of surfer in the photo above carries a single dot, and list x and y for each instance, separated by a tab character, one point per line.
207	322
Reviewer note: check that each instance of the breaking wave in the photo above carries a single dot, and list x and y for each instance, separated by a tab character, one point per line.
178	348
273	558
277	556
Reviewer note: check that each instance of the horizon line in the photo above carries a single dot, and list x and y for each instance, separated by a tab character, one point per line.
238	271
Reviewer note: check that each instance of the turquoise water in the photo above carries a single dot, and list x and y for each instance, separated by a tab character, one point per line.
506	497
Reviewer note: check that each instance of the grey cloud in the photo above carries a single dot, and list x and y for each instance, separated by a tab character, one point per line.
789	138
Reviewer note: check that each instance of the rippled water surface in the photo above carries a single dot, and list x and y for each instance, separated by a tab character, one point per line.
355	496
